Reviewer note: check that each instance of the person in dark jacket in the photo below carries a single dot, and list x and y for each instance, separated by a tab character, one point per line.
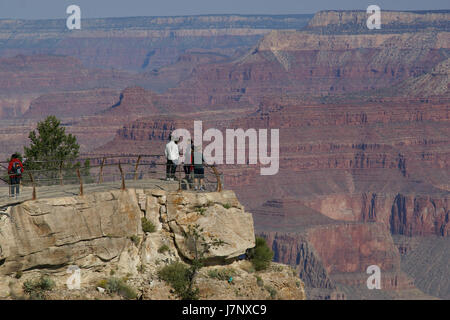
15	170
199	169
188	160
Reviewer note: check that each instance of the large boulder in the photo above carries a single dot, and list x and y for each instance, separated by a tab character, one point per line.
95	230
86	230
215	216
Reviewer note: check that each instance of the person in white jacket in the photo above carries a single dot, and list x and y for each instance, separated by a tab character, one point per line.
172	156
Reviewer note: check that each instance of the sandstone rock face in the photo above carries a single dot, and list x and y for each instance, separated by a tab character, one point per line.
101	234
220	214
278	278
94	229
85	230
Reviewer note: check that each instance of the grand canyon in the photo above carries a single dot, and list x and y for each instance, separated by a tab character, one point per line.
363	117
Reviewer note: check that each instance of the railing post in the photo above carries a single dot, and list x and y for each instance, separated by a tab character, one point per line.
179	178
100	177
60	173
81	182
136	168
219	182
34	186
123	178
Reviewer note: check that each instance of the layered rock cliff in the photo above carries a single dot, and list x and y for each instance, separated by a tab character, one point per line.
93	233
391	21
141	42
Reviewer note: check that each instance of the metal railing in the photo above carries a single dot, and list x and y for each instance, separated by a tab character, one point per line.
106	169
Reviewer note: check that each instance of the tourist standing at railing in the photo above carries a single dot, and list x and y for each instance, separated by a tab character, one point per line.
199	169
15	170
173	155
188	160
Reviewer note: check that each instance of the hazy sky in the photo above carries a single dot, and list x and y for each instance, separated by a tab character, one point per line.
45	9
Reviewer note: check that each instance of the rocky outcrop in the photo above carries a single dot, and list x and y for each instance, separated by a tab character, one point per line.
220	214
52	233
101	235
94	229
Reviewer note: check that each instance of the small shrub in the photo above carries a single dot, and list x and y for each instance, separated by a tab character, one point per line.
147	226
226	205
164	248
127	276
102	283
277	268
18	274
141	268
298	284
135	239
178	276
260	255
221	274
200	210
118	286
259	281
36	289
272	292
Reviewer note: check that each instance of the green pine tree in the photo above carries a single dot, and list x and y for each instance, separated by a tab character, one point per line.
52	152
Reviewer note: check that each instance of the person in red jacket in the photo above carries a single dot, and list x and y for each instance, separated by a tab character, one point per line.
15	170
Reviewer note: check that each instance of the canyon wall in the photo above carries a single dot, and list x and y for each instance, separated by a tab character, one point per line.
330	21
